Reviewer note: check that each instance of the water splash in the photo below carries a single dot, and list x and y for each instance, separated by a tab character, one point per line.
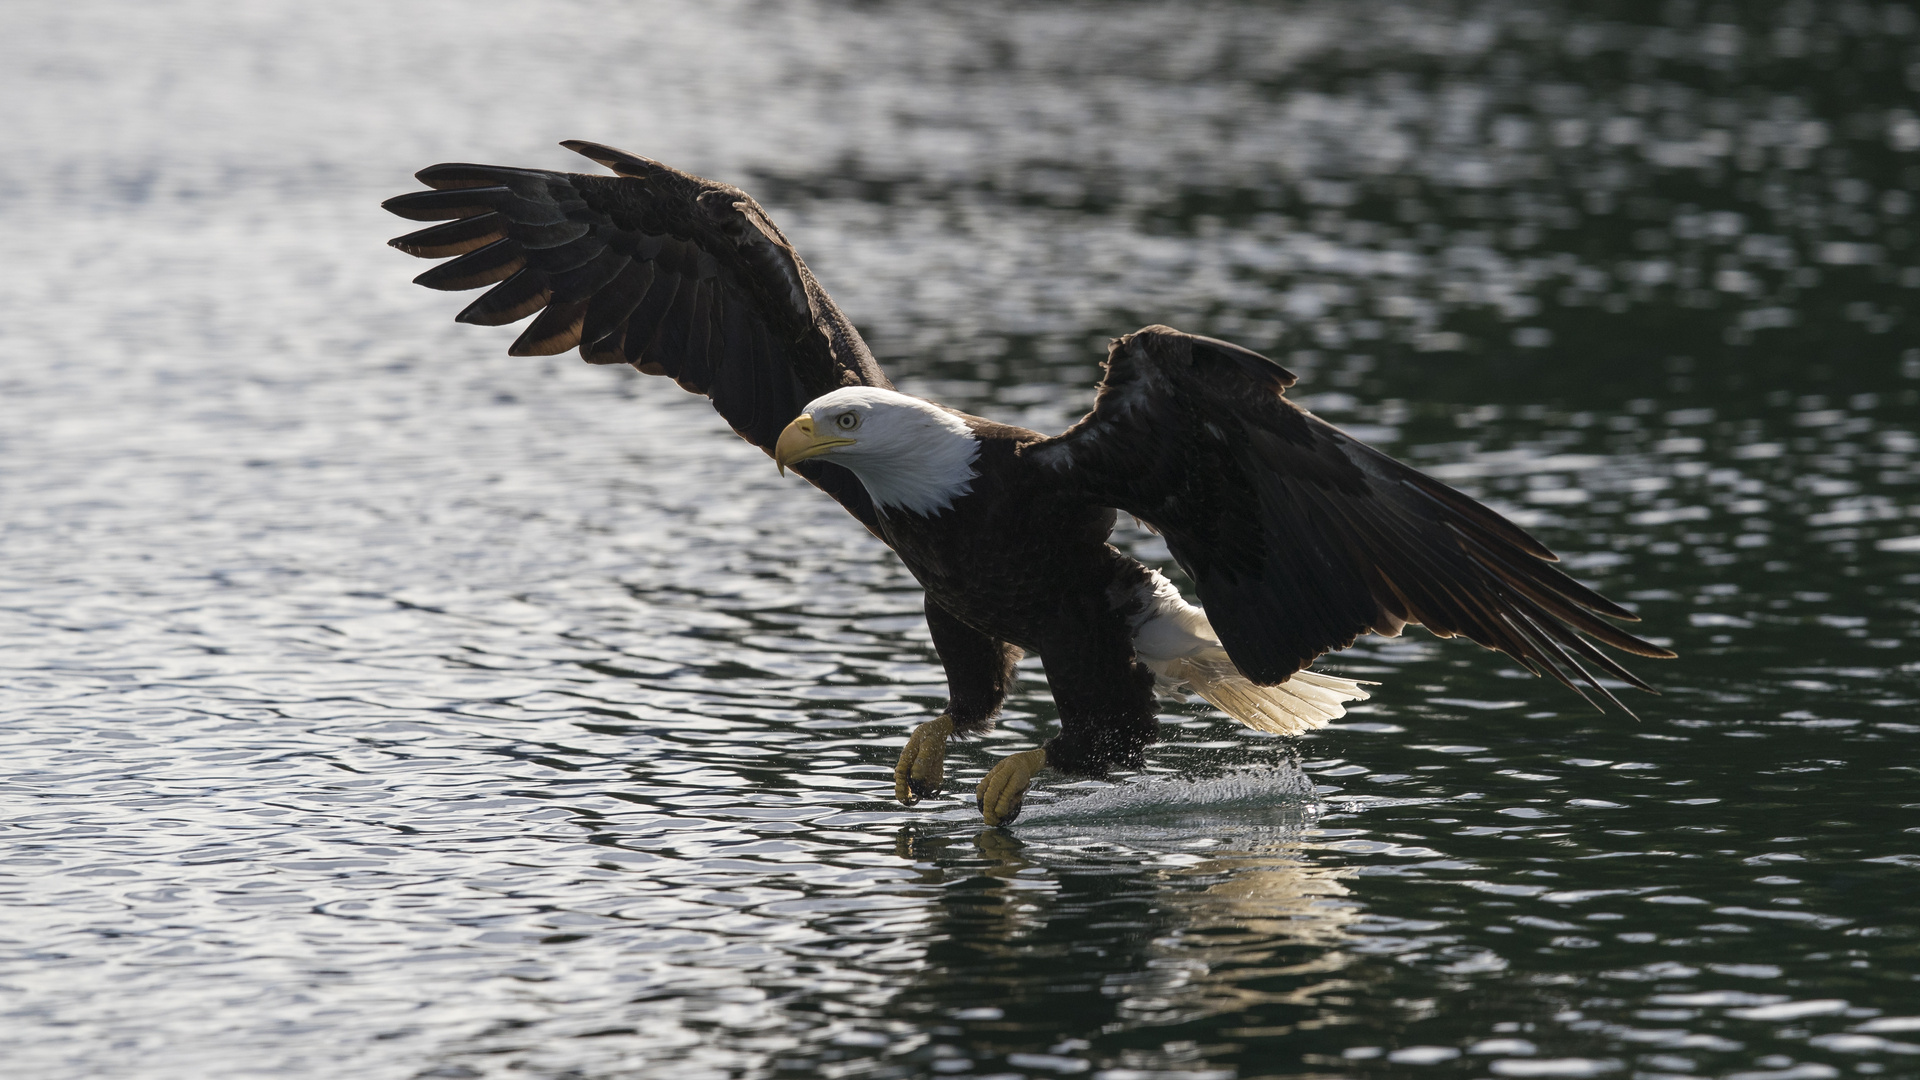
1252	793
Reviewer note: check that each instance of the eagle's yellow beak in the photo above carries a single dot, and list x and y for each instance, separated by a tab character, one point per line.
800	441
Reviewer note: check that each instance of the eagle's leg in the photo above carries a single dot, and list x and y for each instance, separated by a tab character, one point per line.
1107	710
1004	789
979	672
923	761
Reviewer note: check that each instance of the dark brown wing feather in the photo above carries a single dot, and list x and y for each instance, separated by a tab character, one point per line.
1300	538
676	275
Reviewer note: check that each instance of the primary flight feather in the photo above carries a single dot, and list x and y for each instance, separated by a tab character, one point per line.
1298	537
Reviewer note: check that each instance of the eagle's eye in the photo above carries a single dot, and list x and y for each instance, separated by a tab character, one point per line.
847	421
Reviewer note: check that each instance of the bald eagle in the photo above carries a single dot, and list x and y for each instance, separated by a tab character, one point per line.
1298	537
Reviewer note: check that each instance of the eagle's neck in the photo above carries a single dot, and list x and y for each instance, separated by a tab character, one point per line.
926	471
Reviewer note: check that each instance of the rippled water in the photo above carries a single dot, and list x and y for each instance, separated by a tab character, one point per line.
379	705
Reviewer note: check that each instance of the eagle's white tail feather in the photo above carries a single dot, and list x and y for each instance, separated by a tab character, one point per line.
1175	640
1306	701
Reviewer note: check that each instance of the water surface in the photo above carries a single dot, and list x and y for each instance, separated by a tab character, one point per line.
376	704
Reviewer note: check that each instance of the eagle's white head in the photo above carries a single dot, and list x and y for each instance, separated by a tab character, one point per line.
910	454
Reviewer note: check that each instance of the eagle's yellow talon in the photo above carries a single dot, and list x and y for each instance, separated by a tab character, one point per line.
922	761
1005	787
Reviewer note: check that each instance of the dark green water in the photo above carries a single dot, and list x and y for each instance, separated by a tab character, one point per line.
379	705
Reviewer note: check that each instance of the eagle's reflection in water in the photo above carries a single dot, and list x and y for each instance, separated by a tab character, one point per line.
1221	919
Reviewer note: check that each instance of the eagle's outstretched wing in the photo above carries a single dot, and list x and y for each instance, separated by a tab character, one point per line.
1299	537
671	273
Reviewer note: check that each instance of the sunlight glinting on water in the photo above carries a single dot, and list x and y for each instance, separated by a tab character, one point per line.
378	704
